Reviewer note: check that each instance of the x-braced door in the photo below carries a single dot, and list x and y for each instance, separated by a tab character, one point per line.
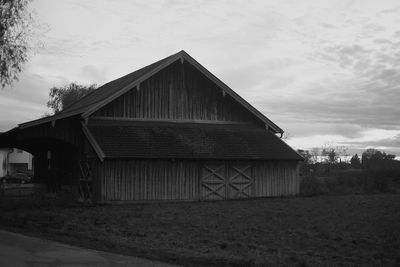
240	180
213	184
85	181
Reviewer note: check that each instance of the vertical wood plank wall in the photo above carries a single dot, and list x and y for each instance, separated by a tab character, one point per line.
178	92
68	131
147	180
65	140
139	180
275	179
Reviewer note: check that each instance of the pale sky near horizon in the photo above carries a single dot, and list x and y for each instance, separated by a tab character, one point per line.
327	72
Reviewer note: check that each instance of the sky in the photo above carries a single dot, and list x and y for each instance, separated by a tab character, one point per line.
326	72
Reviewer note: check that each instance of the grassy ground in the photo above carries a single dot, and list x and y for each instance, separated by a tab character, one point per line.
326	230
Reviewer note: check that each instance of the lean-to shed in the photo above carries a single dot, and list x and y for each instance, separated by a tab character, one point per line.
168	131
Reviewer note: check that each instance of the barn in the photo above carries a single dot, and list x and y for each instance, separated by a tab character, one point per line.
168	131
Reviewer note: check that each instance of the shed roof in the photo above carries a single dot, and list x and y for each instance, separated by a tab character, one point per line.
127	139
110	91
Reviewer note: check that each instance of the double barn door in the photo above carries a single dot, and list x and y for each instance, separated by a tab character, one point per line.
225	181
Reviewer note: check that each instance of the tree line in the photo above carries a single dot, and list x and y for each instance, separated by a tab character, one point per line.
371	158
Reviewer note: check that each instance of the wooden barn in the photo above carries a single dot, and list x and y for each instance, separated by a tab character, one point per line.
168	131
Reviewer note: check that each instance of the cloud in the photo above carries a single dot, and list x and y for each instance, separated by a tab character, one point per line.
273	72
383	41
363	88
92	74
390	143
304	129
327	25
320	69
391	10
24	102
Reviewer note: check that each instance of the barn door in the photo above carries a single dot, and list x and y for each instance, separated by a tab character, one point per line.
239	181
213	185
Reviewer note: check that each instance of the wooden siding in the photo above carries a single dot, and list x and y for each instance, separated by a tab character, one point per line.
179	92
68	131
276	179
142	180
146	180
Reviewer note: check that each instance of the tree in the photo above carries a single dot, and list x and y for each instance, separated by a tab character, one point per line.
334	154
61	97
331	154
355	161
372	158
14	29
315	154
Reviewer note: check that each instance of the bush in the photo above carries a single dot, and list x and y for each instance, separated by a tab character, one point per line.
351	181
379	181
310	186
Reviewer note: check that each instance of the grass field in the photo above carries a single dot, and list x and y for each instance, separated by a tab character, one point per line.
327	230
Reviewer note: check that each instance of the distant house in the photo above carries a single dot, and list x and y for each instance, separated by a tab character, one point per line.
3	162
19	160
13	160
168	131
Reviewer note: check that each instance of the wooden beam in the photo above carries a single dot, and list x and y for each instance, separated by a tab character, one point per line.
93	142
94	118
48	119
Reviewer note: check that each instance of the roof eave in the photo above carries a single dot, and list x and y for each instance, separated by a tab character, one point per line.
52	119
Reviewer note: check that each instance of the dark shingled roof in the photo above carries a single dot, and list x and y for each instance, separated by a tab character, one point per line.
133	139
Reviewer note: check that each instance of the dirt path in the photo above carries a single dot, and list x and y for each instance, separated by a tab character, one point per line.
19	250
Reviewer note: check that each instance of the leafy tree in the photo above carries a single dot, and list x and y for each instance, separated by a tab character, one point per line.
61	97
331	154
390	157
372	158
14	29
355	161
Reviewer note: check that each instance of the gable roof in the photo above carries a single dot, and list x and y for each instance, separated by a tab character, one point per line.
145	139
110	91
